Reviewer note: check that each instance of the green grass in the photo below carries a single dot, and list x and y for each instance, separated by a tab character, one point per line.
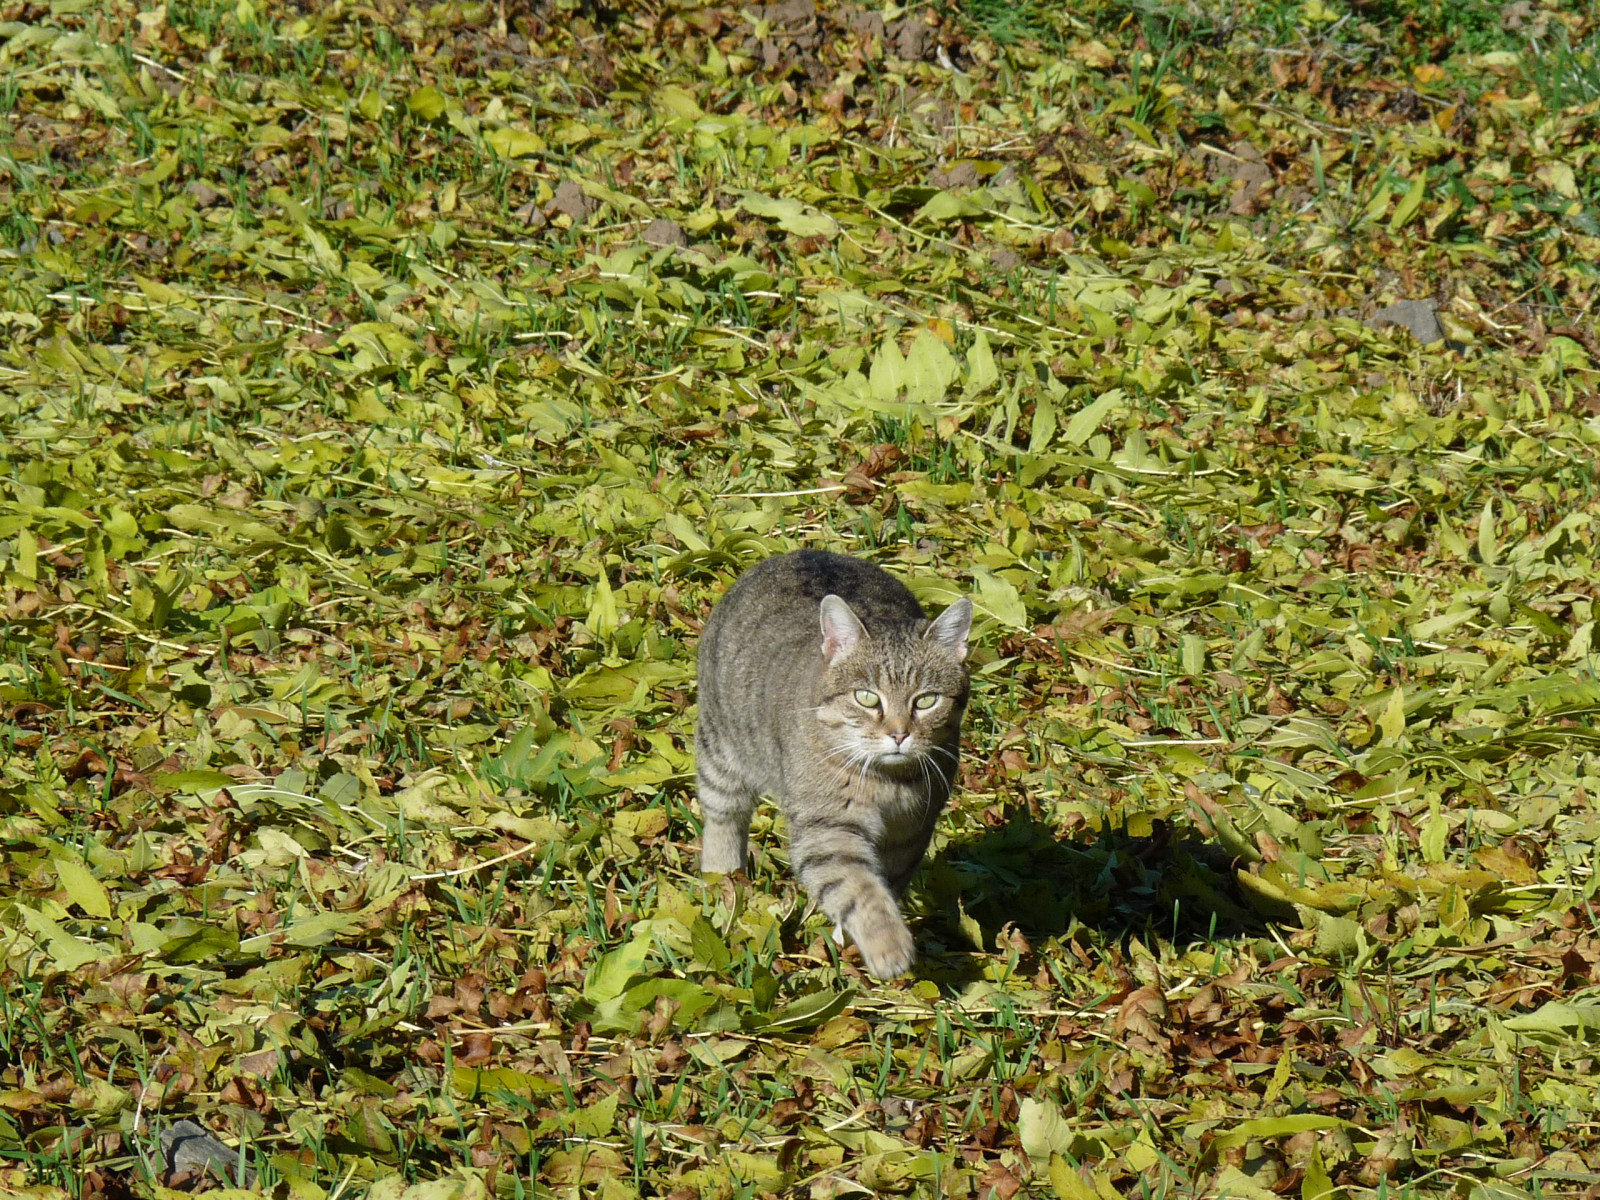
356	528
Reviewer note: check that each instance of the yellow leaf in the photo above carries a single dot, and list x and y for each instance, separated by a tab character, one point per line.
1410	203
427	103
1067	1183
1280	1077
27	554
646	822
970	928
1559	178
1141	1155
1317	1185
514	143
602	619
1094	54
1435	834
159	292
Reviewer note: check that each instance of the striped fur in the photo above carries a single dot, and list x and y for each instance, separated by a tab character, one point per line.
811	668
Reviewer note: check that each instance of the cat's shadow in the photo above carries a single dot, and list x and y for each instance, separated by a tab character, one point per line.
1107	885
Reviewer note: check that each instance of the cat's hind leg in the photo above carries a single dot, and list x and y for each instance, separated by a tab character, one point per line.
727	802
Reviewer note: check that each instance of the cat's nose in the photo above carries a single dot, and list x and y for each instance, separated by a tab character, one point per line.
900	738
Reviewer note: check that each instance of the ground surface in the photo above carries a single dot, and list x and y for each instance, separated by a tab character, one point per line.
386	393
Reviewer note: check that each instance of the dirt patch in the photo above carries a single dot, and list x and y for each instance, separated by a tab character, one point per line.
662	232
1245	165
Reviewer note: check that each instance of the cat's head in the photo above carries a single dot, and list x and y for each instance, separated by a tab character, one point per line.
891	699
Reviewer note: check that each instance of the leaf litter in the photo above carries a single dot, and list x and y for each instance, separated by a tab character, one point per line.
388	391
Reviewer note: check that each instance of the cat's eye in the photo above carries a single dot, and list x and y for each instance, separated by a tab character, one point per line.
867	699
925	701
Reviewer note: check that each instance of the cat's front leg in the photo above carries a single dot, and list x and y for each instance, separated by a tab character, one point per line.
726	805
836	864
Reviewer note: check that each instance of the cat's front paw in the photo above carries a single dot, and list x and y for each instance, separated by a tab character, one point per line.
887	950
723	851
721	860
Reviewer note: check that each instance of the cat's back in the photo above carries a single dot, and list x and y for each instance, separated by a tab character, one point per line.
764	637
790	588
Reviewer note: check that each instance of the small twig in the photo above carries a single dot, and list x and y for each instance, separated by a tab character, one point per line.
460	871
159	66
62	297
132	628
816	491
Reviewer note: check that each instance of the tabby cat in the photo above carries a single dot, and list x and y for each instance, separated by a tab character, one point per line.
823	684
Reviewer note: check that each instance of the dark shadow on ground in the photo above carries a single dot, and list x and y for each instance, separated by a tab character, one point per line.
1114	883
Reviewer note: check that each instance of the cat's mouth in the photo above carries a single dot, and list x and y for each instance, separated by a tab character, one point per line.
896	758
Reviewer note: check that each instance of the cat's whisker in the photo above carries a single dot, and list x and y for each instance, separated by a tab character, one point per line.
848	753
843	774
855	755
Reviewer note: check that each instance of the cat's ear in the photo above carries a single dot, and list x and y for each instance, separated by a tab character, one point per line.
951	627
842	630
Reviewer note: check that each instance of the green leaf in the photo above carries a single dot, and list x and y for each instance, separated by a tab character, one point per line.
889	376
998	598
1393	721
1233	1183
709	949
602	619
1192	654
206	943
83	888
26	558
1488	551
791	215
970	929
1434	835
623	1013
427	103
930	369
809	1010
1558	1017
1339	938
470	1083
1044	425
597	1119
1261	1128
1090	417
677	102
1410	203
610	974
316	930
982	373
66	951
948	206
194	782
